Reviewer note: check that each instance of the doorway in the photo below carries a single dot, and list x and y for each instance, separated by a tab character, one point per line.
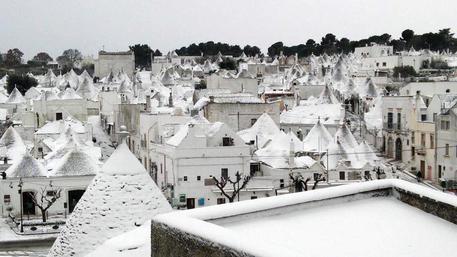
190	203
28	206
398	149
73	199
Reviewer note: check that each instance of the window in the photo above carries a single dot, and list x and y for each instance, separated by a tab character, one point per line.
182	198
7	198
253	197
446	150
209	182
281	183
185	178
227	141
199	178
254	168
399	121
439	171
220	200
423	139
424	117
315	176
377	64
445	125
390	120
40	149
384	64
58	115
413	152
448	90
224	173
434	116
432	141
413	138
253	121
342	175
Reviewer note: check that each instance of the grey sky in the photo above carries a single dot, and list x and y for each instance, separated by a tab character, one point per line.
56	25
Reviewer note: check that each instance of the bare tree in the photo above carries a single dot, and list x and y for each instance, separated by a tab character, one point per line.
45	199
238	184
318	179
301	184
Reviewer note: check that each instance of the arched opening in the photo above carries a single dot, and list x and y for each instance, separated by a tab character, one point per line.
390	147
398	149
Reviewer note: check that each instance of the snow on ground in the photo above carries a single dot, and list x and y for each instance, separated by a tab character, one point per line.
8	235
135	243
370	227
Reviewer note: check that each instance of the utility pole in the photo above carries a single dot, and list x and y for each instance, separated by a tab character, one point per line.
327	166
20	197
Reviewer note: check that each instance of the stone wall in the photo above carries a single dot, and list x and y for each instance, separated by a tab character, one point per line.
432	206
170	242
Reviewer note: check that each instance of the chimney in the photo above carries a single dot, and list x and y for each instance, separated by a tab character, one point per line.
291	154
170	100
148	103
123	134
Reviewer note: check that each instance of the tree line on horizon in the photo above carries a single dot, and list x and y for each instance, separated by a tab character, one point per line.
442	40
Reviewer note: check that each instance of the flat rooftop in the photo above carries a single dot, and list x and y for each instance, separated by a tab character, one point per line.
381	226
370	219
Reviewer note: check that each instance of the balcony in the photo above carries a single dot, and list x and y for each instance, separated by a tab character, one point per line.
393	126
421	151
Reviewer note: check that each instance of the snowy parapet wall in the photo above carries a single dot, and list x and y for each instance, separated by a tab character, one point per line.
121	197
211	229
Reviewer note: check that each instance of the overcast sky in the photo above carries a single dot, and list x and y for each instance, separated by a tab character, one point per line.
88	25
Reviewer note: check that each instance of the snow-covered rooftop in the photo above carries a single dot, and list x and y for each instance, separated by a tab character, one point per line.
26	166
350	220
121	197
11	145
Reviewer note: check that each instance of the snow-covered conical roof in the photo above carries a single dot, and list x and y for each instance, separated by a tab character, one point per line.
32	94
345	137
86	89
368	89
75	163
334	155
366	153
3	97
27	166
15	97
69	93
327	97
11	142
317	139
121	197
277	152
167	79
85	74
125	87
263	129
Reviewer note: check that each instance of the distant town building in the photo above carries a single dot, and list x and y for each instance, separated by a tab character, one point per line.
114	62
